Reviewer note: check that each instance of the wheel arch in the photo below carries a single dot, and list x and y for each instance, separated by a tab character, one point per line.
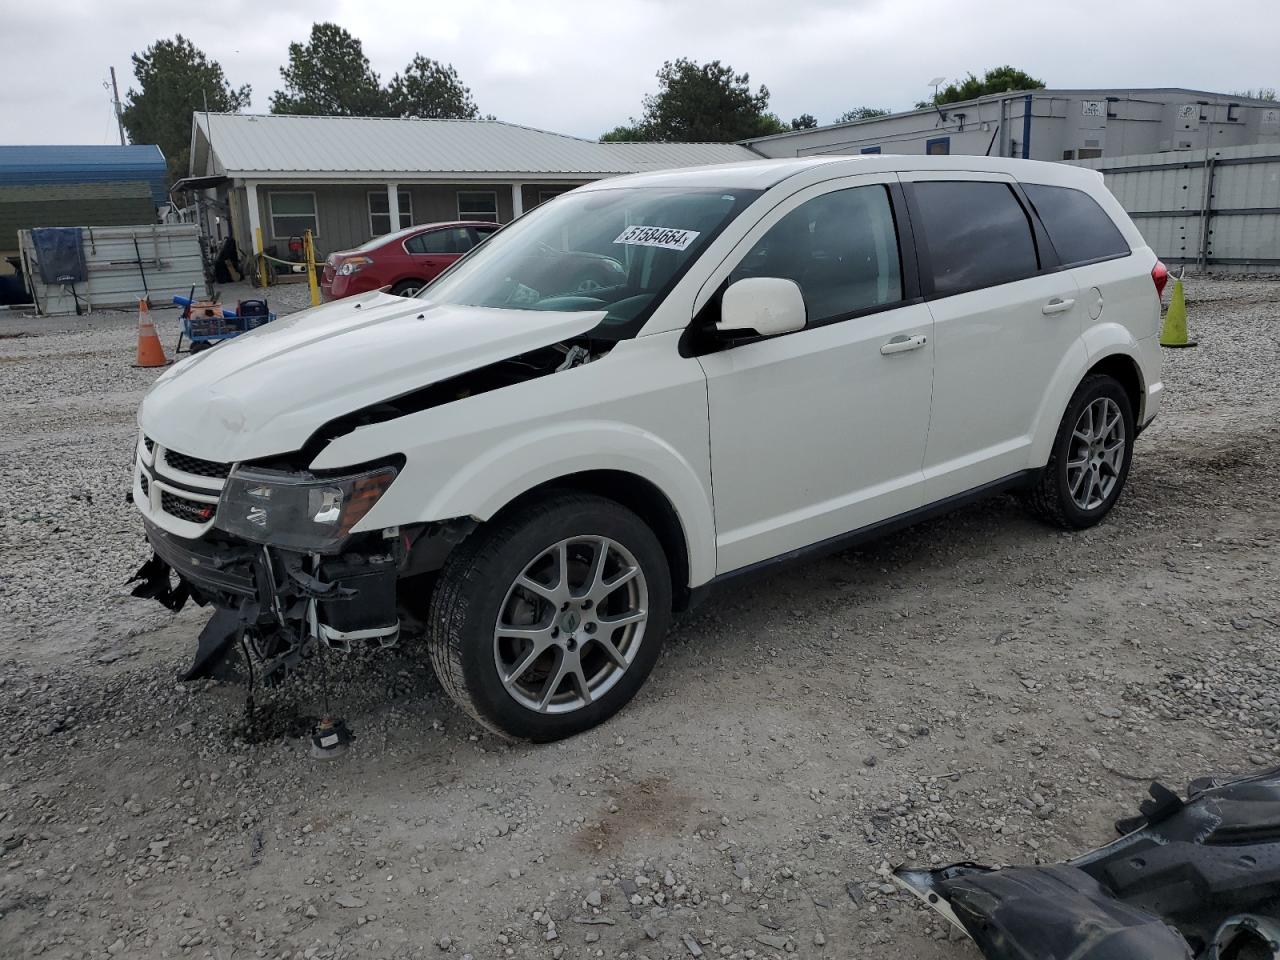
1105	348
642	497
1124	368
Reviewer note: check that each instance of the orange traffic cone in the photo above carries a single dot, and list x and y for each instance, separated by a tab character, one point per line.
150	353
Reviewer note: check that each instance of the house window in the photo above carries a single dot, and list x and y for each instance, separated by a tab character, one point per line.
478	205
293	213
938	147
380	212
545	195
1091	153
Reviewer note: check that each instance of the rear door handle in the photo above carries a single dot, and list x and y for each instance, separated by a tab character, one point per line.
1057	305
902	344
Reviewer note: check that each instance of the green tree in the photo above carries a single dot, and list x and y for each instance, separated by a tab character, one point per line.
806	121
176	79
996	80
861	113
626	133
702	102
428	88
329	76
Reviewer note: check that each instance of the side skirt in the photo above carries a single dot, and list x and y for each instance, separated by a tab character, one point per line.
853	538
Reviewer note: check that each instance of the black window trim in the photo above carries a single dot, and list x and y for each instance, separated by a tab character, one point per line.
1047	260
699	337
1062	264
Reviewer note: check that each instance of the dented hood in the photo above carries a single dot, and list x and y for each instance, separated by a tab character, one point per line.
266	392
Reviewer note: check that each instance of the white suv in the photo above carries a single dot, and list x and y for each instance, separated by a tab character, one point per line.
638	391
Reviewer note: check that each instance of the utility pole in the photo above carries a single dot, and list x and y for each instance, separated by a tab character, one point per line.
115	103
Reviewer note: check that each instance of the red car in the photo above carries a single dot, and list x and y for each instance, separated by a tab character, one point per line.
405	260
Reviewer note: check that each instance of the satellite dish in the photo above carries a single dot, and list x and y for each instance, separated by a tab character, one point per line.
936	82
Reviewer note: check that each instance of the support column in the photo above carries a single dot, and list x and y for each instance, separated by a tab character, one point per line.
517	200
393	205
255	220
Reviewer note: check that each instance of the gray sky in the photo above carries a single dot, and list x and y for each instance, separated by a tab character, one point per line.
582	66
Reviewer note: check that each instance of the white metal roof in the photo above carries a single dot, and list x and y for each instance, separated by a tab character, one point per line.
247	144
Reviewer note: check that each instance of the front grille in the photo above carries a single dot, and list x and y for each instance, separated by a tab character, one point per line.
149	443
193	511
201	468
146	485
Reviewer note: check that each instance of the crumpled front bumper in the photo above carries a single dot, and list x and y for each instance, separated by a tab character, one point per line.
282	599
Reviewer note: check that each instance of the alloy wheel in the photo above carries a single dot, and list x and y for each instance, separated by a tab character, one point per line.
571	624
1096	453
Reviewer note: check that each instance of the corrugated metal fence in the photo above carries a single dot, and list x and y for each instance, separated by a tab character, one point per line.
124	265
1216	211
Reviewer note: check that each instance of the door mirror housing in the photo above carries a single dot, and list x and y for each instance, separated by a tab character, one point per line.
766	305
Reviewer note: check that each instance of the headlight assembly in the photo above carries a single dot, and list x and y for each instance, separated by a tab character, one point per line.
298	511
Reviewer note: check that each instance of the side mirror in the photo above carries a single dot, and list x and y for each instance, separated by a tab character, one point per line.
767	305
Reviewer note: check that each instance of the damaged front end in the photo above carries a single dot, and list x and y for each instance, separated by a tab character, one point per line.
272	550
1196	878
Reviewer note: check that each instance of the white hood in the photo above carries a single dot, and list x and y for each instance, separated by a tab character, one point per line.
266	392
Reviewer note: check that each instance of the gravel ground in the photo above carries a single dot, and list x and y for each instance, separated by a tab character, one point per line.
979	687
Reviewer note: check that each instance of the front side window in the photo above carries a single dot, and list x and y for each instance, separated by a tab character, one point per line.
1078	228
478	205
451	240
840	248
616	249
976	232
380	212
292	214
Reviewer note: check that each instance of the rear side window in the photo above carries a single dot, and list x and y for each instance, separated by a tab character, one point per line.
1080	230
451	240
977	234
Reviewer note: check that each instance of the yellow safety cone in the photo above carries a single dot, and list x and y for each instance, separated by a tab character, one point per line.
1174	331
150	353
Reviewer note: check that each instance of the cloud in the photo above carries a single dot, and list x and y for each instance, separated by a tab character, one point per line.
581	66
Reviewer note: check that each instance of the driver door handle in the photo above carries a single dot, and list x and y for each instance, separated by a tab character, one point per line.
1057	305
902	344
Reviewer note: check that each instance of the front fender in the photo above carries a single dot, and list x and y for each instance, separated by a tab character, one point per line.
506	471
638	410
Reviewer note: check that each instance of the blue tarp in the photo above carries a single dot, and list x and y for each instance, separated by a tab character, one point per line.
33	165
59	253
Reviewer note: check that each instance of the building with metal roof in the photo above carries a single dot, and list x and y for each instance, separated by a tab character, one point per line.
77	186
57	165
1048	124
349	179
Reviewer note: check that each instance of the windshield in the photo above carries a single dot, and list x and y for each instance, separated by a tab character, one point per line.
618	250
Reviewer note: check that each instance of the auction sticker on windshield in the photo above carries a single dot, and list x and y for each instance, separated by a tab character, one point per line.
669	238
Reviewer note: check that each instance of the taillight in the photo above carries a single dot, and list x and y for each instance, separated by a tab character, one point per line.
1159	276
353	265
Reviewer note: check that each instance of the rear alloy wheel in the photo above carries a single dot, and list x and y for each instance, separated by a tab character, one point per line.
406	288
1090	459
548	622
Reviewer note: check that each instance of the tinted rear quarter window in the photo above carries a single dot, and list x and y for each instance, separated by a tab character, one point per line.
977	234
1079	229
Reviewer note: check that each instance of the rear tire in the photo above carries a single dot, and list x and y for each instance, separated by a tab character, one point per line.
406	288
1090	459
546	622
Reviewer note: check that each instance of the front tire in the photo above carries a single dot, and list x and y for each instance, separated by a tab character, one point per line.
1090	459
545	623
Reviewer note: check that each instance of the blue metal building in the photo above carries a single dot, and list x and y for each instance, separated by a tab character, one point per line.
53	165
